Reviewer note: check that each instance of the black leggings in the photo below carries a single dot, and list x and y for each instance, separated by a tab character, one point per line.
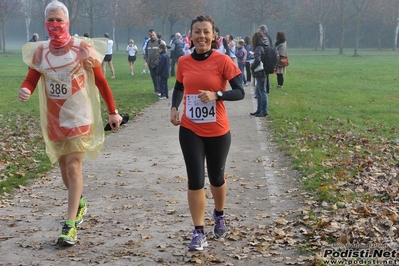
280	79
196	149
248	70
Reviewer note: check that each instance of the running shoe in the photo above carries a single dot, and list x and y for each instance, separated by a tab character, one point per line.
198	242
219	228
81	211
68	236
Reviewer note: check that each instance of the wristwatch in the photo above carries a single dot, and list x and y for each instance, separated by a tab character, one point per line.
219	94
115	112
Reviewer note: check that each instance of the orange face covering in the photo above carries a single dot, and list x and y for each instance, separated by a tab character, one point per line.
58	32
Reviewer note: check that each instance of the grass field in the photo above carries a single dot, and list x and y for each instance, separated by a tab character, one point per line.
331	108
335	111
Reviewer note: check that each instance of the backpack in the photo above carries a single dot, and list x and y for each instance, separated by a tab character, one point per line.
269	59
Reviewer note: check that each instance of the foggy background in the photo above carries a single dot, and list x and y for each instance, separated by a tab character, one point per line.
313	24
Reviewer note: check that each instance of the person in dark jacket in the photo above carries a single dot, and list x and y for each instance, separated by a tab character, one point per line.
259	43
177	47
263	30
248	47
35	37
163	71
152	56
281	47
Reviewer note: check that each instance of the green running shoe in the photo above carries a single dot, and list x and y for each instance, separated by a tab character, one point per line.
68	236
81	211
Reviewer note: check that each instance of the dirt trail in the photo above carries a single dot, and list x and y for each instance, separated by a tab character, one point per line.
136	195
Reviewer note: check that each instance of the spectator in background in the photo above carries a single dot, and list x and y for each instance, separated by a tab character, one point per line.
152	53
172	38
177	47
241	59
159	36
86	34
248	47
281	47
163	71
187	44
259	43
143	47
131	49
35	37
222	45
108	57
232	47
263	31
186	38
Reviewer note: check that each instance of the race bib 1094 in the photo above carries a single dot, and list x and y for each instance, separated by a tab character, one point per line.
200	112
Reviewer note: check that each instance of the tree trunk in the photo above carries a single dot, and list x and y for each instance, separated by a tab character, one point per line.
395	40
357	35
27	24
91	27
321	35
117	39
341	39
4	37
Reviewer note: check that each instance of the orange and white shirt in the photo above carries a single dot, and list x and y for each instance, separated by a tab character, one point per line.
69	98
212	74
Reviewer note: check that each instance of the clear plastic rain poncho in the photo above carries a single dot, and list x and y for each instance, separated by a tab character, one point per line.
70	114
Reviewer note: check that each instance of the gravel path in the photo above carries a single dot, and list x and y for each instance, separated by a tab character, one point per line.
138	212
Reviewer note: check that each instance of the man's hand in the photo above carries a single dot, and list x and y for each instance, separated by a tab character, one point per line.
24	94
115	121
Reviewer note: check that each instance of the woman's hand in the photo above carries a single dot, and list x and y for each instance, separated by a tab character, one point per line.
207	96
174	116
24	94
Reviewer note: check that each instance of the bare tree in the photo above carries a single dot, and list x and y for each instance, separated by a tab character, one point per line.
133	13
342	9
257	12
389	14
319	12
27	9
7	7
397	26
93	10
165	8
362	9
37	12
74	6
185	11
